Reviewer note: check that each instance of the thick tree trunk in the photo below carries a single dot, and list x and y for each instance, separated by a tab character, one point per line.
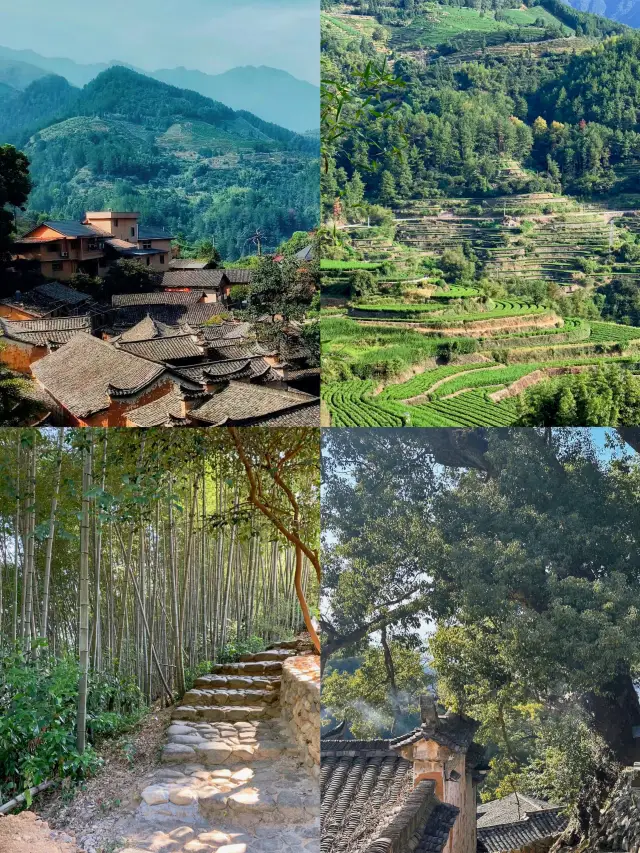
615	711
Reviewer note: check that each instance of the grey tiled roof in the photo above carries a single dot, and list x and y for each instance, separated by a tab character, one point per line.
238	276
70	228
152	232
54	291
187	264
121	300
510	808
198	278
240	368
307	417
519	834
148	328
173	348
85	371
52	330
369	804
240	402
225	331
198	315
452	730
305	254
228	349
126	317
158	412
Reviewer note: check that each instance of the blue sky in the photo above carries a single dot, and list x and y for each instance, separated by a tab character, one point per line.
208	35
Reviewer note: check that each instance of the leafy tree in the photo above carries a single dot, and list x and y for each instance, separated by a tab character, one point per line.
15	186
519	546
282	289
381	694
606	396
362	282
128	276
12	390
206	251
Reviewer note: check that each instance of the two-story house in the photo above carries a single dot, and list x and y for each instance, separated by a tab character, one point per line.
64	248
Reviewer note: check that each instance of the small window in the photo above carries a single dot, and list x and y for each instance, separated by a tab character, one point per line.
162	259
54	247
133	231
148	261
57	266
146	244
115	222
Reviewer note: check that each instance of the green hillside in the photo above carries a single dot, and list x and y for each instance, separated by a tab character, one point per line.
184	161
488	266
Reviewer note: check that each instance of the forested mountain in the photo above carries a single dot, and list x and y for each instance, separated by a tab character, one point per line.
569	118
185	162
481	189
270	93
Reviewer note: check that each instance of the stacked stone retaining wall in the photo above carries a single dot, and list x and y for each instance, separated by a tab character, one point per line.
300	706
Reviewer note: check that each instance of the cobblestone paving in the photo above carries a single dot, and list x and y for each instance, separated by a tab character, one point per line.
228	785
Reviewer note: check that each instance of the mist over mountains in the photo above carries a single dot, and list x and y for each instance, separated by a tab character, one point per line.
270	93
625	11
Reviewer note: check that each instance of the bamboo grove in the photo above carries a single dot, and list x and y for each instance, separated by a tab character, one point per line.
147	555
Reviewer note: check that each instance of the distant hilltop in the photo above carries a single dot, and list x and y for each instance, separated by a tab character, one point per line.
270	93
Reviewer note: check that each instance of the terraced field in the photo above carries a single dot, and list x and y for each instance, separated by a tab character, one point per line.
452	395
434	355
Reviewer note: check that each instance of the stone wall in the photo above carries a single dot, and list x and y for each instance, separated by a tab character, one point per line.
300	706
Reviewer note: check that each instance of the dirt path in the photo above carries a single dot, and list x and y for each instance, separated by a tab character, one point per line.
94	811
26	833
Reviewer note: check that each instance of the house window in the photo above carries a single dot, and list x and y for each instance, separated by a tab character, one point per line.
115	222
162	259
148	260
54	247
133	231
146	244
57	266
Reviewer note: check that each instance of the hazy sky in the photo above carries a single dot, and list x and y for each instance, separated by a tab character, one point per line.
208	35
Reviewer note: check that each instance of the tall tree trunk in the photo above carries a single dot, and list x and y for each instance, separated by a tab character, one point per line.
44	619
179	659
30	547
83	633
16	541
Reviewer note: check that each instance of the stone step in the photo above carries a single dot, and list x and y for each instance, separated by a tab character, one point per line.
267	792
231	743
230	697
272	655
238	682
248	668
224	713
285	644
176	837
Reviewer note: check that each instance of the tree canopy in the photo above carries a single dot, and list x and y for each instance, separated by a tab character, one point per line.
517	547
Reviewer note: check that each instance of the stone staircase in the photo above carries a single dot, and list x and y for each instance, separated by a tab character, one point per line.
231	780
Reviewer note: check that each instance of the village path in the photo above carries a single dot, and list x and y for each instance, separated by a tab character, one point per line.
231	779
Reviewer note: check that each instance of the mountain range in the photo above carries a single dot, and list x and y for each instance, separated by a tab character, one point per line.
625	11
270	93
184	161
